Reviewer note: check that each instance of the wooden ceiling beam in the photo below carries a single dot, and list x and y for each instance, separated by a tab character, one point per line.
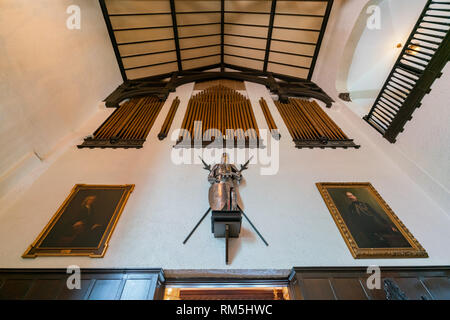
173	12
269	33
161	87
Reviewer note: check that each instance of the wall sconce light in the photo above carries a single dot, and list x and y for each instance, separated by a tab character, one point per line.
414	50
399	45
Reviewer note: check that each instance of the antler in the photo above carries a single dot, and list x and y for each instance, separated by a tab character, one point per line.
245	165
206	166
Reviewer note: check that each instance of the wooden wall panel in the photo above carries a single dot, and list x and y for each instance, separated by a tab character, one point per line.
374	294
302	7
147	47
348	289
45	289
245	52
96	284
149	59
81	294
14	289
317	289
251	43
137	6
192	53
191	64
143	35
232	84
197	5
299	22
256	19
248	5
151	71
295	35
348	283
290	71
198	30
414	287
305	49
105	290
246	31
439	287
183	19
306	283
121	22
244	62
137	289
290	59
197	42
309	19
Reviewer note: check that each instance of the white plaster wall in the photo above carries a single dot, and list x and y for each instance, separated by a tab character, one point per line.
51	80
422	150
169	199
426	139
376	51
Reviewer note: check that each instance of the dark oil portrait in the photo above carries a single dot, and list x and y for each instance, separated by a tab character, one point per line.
367	223
84	222
366	220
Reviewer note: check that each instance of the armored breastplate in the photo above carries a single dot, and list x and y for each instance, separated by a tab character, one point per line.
219	196
224	172
222	193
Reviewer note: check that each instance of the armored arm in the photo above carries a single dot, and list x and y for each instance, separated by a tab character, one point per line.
212	175
236	173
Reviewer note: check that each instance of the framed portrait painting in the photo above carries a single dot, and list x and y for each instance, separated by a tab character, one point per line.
368	225
83	224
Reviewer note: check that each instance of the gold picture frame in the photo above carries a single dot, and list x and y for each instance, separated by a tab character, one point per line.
97	208
358	240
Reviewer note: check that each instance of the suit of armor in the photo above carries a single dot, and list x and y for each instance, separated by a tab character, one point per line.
226	218
224	178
